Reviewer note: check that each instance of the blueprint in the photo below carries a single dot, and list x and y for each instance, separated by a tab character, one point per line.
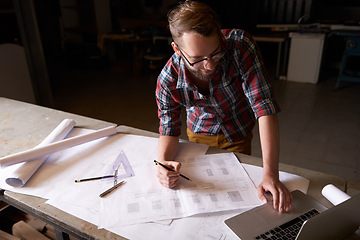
218	183
208	226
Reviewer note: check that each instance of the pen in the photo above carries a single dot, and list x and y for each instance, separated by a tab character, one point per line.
111	189
94	178
156	162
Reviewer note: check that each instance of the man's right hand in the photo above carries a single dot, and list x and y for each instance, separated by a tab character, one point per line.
168	178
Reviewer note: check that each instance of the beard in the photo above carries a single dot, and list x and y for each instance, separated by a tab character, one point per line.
204	77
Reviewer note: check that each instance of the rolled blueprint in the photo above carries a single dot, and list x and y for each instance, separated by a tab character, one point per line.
334	195
24	171
41	151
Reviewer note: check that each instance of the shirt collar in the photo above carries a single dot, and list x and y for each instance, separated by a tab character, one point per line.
183	76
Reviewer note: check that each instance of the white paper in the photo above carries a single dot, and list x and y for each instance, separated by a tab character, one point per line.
334	195
218	183
291	181
189	149
47	149
82	199
19	174
61	168
209	226
203	227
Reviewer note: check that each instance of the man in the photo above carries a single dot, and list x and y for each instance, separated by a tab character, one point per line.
218	75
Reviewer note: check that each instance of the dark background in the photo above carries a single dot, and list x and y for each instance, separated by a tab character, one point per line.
242	14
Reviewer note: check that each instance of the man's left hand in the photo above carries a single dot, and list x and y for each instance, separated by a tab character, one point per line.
282	198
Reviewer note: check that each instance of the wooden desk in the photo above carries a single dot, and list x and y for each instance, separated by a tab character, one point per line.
25	125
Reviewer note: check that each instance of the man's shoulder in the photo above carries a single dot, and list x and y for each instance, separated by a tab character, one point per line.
238	39
170	71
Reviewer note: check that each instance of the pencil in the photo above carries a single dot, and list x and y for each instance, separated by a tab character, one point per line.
172	170
111	189
94	178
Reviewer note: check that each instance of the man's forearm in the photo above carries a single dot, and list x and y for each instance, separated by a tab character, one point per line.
269	138
168	147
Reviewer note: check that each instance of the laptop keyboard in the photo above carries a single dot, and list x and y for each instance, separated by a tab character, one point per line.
290	229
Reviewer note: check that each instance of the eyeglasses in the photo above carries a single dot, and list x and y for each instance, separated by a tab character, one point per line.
214	57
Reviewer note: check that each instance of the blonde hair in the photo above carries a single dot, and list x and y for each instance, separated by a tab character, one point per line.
193	16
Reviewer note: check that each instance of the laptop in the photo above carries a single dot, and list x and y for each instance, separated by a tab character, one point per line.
307	220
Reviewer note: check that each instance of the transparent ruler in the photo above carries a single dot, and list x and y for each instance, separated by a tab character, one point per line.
121	168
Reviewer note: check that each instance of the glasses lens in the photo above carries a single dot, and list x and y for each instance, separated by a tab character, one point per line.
216	57
200	63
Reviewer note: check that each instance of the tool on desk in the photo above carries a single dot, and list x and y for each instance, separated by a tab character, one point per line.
111	189
172	170
114	168
121	167
94	178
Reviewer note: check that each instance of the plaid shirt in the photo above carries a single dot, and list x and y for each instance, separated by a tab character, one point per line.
240	92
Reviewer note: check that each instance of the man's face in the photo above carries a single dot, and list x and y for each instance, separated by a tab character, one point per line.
195	47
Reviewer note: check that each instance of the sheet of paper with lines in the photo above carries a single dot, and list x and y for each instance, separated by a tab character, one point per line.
218	183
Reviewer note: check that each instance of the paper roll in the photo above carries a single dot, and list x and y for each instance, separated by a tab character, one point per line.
44	150
334	195
24	171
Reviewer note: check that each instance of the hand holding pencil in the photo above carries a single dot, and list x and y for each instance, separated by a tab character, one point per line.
168	173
